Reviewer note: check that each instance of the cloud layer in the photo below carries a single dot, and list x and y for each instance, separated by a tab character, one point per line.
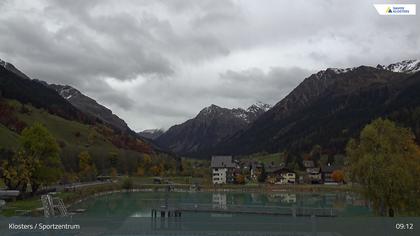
157	63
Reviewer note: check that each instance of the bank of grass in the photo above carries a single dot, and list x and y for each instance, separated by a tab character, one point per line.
21	207
171	179
33	205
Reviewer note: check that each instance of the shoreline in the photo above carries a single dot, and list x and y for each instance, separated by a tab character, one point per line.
223	188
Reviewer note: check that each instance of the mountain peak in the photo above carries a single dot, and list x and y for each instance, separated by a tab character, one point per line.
212	109
406	66
2	63
212	125
10	67
259	106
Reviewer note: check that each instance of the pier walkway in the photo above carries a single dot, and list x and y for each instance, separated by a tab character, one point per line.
176	211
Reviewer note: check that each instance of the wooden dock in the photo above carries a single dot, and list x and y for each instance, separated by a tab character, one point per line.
177	211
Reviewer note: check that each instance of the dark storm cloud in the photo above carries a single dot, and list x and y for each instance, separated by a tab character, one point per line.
156	63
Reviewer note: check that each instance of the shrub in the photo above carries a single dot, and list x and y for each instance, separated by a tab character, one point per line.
127	183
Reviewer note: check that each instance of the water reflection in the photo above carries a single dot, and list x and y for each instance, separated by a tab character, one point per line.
139	204
219	200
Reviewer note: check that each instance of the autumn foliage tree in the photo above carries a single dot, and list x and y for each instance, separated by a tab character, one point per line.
17	172
240	179
41	147
87	169
385	160
338	176
37	163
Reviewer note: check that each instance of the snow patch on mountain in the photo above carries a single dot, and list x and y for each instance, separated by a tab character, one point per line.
248	115
341	70
406	66
3	63
68	92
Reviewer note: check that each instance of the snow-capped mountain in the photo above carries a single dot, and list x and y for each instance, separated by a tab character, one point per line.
82	102
331	106
10	67
246	115
212	125
90	106
407	66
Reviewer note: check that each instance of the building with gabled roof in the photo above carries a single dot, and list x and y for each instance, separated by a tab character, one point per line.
222	169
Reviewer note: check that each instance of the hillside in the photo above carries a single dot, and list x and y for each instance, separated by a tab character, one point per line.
90	107
72	137
24	101
328	108
18	87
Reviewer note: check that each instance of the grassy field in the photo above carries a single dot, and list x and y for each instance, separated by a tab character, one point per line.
75	135
275	158
8	138
20	207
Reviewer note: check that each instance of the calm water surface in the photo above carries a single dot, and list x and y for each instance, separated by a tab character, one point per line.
130	214
139	204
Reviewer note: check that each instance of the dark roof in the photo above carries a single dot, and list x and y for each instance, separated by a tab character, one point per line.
328	168
222	161
313	170
278	169
256	165
308	164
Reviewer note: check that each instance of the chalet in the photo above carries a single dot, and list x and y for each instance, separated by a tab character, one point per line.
280	175
256	169
223	169
250	168
314	175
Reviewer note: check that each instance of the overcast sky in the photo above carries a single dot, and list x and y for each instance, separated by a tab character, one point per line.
157	63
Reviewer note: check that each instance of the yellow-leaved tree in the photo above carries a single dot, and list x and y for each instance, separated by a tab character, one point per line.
385	161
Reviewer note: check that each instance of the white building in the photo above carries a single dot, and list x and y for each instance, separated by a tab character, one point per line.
222	169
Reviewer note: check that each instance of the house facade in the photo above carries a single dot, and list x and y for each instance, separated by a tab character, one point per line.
314	175
223	169
280	175
327	172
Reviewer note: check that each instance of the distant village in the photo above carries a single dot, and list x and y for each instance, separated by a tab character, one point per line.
227	170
